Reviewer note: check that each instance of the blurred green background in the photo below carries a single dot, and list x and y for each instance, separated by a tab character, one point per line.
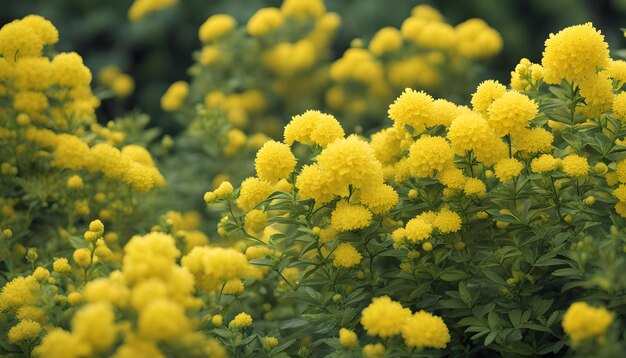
156	51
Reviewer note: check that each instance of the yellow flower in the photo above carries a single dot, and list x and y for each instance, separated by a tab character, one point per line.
575	166
487	92
349	217
20	291
597	89
428	154
418	229
241	321
140	8
255	221
379	198
582	321
25	329
264	21
75	182
252	192
58	343
174	97
574	53
94	324
507	169
384	317
447	221
233	287
469	131
348	339
424	330
163	319
371	350
619	106
274	161
313	127
475	187
61	265
346	255
387	39
511	113
544	163
412	108
215	27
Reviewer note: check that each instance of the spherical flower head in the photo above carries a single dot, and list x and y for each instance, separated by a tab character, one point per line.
271	342
346	255
534	140
217	320
96	226
544	163
241	321
255	221
387	39
350	217
582	321
25	329
253	191
507	169
475	187
163	319
487	92
70	71
348	339
82	257
412	108
428	154
44	29
452	177
597	90
75	182
274	161
60	343
316	183
379	198
376	350
215	27
575	166
313	127
617	71
61	265
469	131
174	97
418	229
233	287
18	39
619	106
447	221
71	153
41	274
75	298
384	317
94	324
424	330
620	193
303	9
574	53
264	21
511	113
351	161
224	189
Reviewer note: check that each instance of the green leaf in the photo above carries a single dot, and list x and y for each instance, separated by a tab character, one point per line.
78	242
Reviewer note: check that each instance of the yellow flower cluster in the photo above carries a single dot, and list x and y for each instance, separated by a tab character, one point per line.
419	54
42	87
142	8
386	318
582	321
121	84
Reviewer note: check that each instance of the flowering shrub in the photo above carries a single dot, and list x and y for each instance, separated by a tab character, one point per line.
490	229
